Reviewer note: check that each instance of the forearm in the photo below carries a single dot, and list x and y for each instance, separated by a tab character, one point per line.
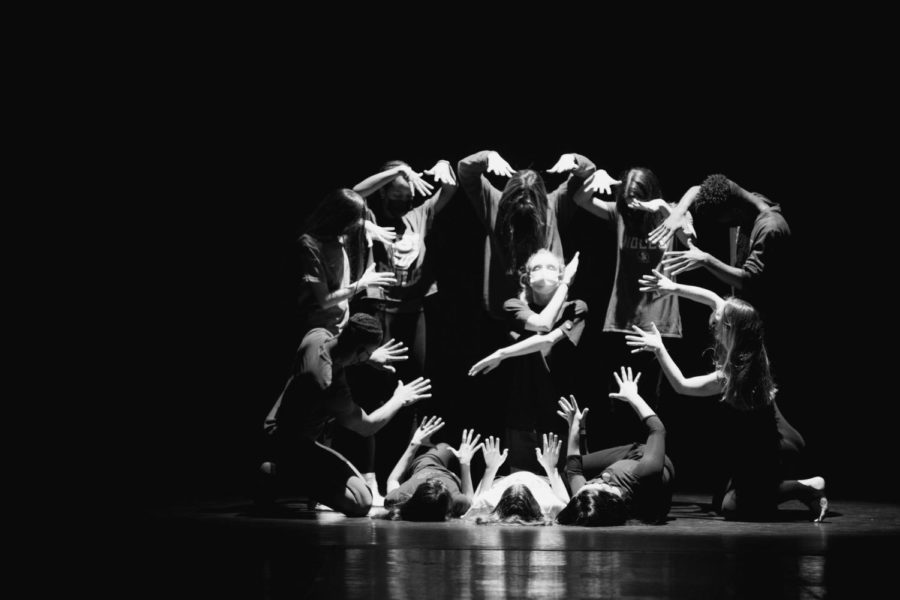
670	369
444	194
378	418
465	470
573	444
557	485
529	345
641	407
700	295
487	480
686	201
339	295
725	273
369	185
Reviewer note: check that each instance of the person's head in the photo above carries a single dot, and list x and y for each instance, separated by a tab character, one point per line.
540	275
358	340
595	505
719	200
740	354
431	501
517	505
638	183
521	226
396	194
341	212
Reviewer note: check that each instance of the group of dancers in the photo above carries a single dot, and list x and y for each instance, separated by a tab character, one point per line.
369	242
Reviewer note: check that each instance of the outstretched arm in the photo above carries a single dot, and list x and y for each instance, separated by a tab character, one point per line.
657	282
584	196
536	343
664	232
651	341
421	435
373	183
468	447
365	424
476	186
549	458
493	458
655	449
443	174
575	418
682	261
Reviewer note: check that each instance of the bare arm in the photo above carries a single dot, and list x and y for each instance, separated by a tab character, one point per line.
421	435
654	457
536	343
569	411
650	341
548	460
657	282
366	424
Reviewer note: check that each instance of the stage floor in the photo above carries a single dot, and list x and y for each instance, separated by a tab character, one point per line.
222	549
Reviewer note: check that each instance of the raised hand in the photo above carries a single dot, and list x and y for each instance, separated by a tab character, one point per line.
571	269
565	164
493	458
549	458
600	182
644	341
681	261
422	435
385	235
372	279
665	230
416	183
498	166
412	392
468	447
390	352
657	282
628	389
570	413
486	364
442	173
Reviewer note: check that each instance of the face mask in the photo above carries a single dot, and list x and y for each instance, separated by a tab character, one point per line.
544	280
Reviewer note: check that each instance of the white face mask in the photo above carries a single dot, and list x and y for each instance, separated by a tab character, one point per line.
543	279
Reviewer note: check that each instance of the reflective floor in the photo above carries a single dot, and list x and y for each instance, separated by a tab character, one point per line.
223	550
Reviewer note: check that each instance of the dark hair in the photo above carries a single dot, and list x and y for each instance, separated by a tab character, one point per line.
362	329
430	502
521	226
713	195
740	354
638	183
517	505
337	214
338	211
594	508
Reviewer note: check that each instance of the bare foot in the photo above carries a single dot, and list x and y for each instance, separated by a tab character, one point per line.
817	501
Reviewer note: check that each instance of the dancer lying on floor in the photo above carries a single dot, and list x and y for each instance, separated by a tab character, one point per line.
761	443
610	486
521	497
435	485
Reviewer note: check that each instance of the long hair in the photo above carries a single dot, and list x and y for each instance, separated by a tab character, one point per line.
525	292
521	226
430	502
638	183
517	506
741	357
341	212
594	508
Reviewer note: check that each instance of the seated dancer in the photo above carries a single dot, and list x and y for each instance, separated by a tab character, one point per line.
541	317
761	443
613	485
317	394
427	487
522	497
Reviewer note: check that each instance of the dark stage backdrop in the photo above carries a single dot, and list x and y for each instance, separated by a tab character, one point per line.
244	174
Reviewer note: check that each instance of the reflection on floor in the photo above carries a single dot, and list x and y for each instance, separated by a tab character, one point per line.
223	549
